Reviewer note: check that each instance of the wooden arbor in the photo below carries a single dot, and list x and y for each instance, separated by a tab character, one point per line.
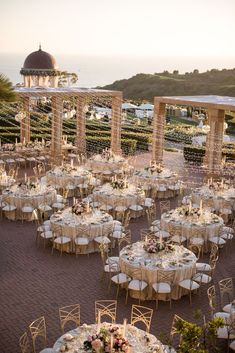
57	96
215	105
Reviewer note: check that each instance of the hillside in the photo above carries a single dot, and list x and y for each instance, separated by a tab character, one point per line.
146	86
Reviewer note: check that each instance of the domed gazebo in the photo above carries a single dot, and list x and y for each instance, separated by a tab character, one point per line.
40	69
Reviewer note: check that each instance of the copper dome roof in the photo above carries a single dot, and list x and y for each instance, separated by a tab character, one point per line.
39	61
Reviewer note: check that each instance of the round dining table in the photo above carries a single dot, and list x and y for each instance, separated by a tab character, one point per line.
139	341
66	175
179	263
162	183
194	222
29	194
87	224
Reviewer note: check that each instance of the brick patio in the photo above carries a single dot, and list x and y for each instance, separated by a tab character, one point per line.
35	283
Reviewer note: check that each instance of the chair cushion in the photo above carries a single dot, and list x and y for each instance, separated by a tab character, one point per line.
162	234
162	287
138	285
201	266
232	345
102	240
156	223
178	239
228	230
227	308
27	209
47	222
112	259
111	268
223	315
117	234
81	241
47	234
227	236
44	208
58	205
62	240
106	208
202	278
120	278
9	208
196	241
136	208
222	332
120	208
189	284
217	240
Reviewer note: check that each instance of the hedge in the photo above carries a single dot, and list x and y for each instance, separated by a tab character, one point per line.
196	153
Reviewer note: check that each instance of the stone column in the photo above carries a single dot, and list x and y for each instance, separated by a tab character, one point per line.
158	131
116	124
214	141
56	129
81	126
25	123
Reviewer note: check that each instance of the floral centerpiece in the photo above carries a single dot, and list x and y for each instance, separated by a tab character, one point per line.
120	184
81	207
153	246
27	185
154	168
107	340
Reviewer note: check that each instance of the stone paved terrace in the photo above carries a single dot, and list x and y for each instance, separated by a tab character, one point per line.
35	283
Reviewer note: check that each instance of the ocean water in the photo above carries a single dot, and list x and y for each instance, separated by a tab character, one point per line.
101	70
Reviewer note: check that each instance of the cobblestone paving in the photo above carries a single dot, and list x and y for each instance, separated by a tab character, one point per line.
35	283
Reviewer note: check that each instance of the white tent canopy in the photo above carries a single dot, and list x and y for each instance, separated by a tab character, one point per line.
146	106
129	106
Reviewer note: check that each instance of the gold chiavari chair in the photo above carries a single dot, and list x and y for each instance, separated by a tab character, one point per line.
165	206
126	219
126	239
163	286
196	249
226	291
190	285
38	329
69	313
141	314
146	234
106	308
151	216
24	343
174	327
81	242
137	284
211	294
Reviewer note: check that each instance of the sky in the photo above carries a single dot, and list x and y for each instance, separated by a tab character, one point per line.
119	27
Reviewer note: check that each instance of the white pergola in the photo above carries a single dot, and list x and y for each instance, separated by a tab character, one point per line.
57	96
216	107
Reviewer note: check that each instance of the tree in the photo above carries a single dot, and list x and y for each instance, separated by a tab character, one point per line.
66	78
176	72
195	71
6	90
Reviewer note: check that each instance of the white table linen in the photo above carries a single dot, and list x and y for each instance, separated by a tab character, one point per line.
136	262
89	225
190	225
139	340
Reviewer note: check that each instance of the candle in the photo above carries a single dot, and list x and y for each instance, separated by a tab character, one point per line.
190	206
16	141
124	328
71	162
111	343
98	321
74	200
24	141
25	177
201	205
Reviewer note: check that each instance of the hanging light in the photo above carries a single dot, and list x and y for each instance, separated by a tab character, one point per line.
20	116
